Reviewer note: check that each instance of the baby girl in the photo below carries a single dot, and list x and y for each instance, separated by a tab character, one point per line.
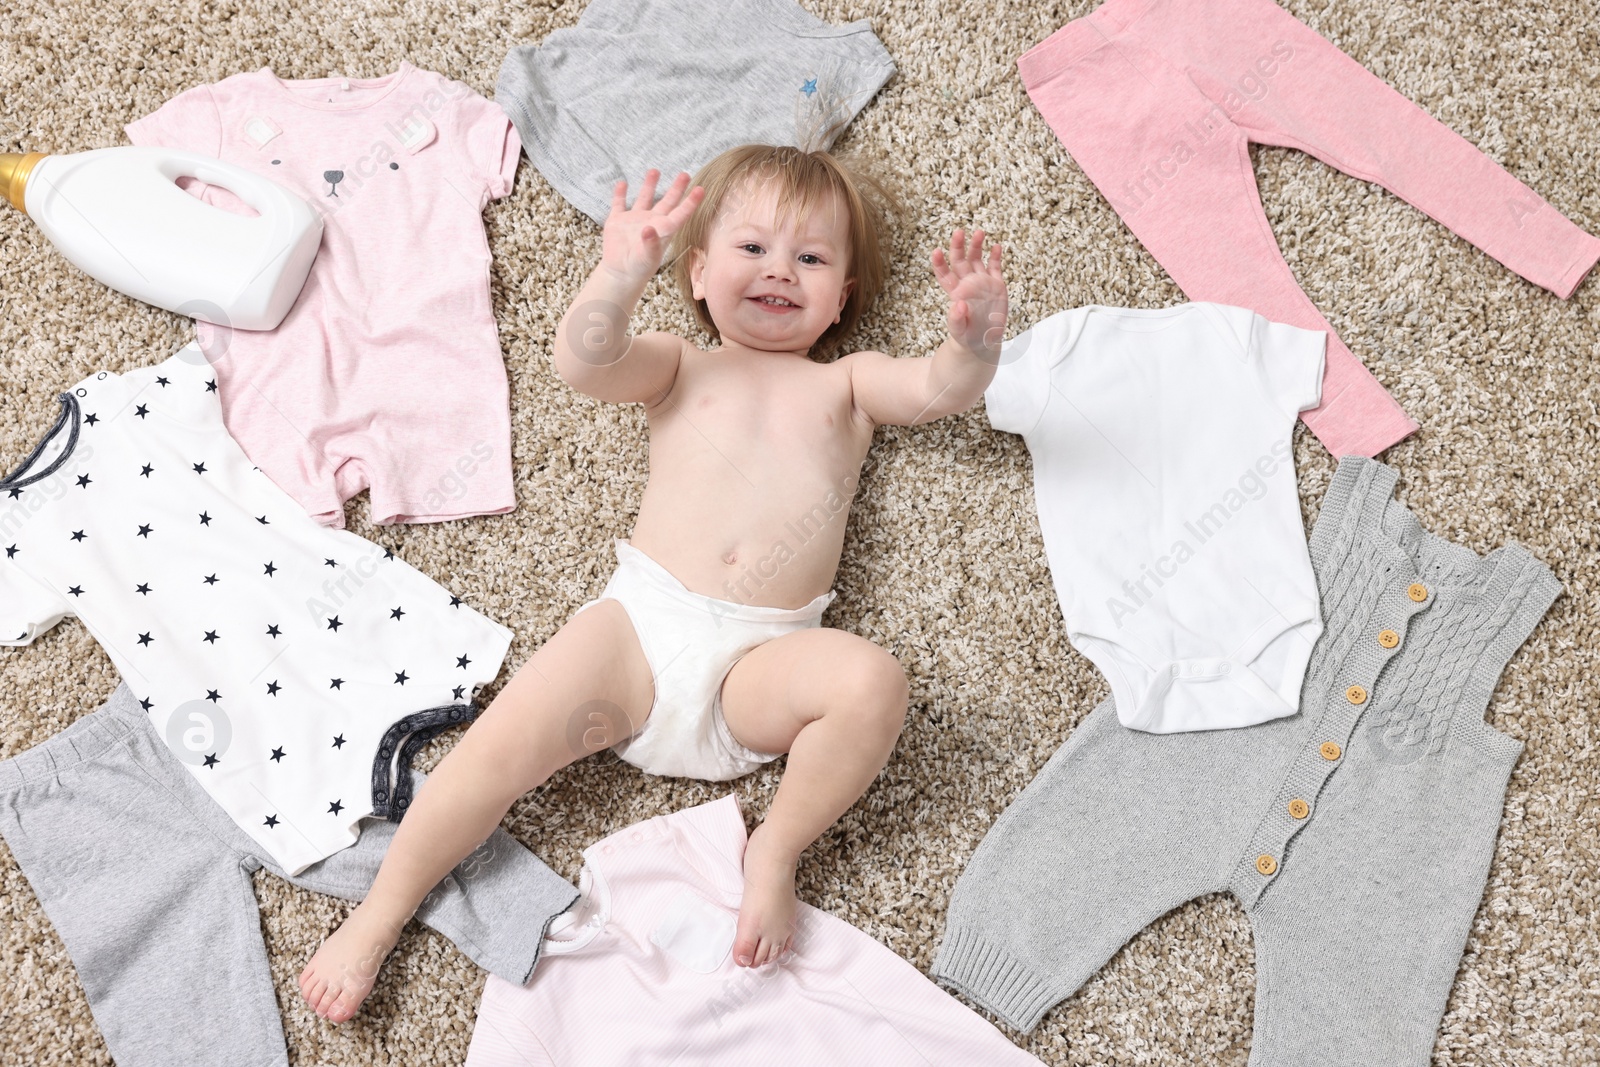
705	655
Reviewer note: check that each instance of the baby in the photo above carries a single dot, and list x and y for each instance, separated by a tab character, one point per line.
705	655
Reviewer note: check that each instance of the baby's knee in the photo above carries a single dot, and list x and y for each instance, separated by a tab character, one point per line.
873	684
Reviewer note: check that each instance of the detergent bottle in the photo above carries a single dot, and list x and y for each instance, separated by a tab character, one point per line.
119	215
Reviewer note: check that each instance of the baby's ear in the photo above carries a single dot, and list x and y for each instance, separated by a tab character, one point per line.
844	298
697	271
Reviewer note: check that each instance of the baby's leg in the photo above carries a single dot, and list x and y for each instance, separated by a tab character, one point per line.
586	689
835	702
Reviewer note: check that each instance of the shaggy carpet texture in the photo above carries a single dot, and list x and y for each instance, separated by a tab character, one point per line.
943	563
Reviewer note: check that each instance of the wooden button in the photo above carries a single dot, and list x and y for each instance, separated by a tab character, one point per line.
1356	695
1266	864
1331	751
1417	591
1299	808
1388	638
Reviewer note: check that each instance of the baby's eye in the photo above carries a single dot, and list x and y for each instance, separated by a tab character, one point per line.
751	247
810	259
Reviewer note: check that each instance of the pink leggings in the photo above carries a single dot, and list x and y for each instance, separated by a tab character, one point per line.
1159	100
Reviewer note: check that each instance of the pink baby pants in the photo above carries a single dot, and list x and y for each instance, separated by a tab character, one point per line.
1159	100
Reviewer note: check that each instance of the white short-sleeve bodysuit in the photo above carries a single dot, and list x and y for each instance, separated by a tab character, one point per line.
1164	478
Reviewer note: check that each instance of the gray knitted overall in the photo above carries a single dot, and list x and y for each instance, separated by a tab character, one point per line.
1357	833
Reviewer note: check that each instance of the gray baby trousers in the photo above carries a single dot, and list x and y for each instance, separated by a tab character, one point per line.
147	881
1357	833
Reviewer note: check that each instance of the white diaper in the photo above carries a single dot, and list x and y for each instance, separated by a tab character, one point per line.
691	641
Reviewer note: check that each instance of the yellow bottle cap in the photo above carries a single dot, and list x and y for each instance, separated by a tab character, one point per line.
14	170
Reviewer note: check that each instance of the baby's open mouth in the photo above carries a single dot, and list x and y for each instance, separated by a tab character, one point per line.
774	302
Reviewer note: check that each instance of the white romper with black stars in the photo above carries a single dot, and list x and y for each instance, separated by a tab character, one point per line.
293	668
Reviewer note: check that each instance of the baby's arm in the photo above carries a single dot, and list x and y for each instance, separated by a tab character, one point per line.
594	352
905	392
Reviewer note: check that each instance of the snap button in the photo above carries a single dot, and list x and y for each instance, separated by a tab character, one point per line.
1299	808
638	835
1356	695
1417	591
1266	864
1388	638
608	849
1330	750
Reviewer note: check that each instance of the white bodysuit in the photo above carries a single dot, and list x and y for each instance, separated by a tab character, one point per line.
1164	477
286	664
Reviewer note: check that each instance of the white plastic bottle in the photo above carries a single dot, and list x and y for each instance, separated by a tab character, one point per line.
119	215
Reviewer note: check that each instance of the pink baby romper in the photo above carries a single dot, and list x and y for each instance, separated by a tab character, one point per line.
387	373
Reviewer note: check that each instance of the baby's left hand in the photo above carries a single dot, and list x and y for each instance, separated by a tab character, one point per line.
977	291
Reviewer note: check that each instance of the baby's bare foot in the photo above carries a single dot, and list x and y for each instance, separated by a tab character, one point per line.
341	973
766	914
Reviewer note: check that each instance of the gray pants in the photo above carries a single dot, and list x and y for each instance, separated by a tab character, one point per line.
1357	834
147	881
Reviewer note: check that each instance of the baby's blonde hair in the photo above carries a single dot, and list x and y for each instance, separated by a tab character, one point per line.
804	180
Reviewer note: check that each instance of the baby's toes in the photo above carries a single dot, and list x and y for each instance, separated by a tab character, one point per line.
745	943
344	1005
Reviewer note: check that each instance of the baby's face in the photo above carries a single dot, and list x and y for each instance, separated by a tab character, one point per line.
769	283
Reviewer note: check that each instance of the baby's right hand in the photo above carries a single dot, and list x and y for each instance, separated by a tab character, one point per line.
634	237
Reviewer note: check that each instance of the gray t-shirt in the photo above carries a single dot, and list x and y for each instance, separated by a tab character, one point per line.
671	83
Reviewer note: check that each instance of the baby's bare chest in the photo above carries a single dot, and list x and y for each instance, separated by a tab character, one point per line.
805	413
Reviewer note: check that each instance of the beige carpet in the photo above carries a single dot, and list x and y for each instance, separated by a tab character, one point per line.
943	563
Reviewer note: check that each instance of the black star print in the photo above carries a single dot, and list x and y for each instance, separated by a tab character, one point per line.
205	519
335	808
144	531
213	696
14	493
336	683
199	468
212	761
330	562
262	519
273	631
146	703
211	386
388	553
146	470
210	638
462	661
396	613
11	551
78	535
145	639
143	589
272	821
162	382
338	740
455	601
458	692
91	418
83	481
272	688
76	590
270	569
141	411
210	579
334	624
277	755
400	679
